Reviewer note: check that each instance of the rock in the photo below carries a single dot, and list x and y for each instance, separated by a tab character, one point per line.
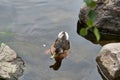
11	66
108	61
108	16
104	39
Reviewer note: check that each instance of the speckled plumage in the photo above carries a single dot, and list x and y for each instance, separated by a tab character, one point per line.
61	46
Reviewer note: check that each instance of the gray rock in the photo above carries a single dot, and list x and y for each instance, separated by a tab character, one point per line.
108	61
11	66
108	18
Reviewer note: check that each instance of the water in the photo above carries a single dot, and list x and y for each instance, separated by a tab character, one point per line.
36	24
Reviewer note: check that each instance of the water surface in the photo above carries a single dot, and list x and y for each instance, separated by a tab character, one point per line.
36	23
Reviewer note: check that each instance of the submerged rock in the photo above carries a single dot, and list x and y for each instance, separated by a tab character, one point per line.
108	61
11	66
108	16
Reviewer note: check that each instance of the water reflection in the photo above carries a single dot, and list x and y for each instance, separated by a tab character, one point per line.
56	65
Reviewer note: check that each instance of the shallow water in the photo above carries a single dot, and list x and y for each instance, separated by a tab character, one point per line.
36	23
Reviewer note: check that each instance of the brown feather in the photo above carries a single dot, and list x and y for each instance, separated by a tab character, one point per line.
60	44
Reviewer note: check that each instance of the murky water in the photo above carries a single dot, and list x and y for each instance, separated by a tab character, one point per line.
36	23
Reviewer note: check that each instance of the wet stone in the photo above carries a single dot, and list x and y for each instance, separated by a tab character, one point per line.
11	66
108	16
108	61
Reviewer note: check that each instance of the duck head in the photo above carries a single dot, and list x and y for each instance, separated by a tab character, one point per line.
63	35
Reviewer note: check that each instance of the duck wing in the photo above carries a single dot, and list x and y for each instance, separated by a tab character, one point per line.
64	44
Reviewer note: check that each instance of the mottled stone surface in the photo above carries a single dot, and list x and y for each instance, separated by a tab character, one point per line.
108	18
108	61
11	66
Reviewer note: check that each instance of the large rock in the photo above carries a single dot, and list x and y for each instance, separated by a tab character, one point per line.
108	61
11	66
108	18
104	39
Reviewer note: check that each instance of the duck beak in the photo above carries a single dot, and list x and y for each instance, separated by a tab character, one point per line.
53	56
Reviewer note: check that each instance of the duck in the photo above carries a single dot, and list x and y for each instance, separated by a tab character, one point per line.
60	48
